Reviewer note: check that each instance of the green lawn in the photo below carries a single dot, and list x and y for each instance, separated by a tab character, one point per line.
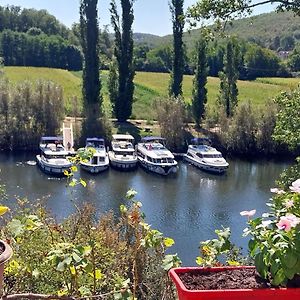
149	86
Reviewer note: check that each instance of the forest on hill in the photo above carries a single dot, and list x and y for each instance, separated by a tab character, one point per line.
30	37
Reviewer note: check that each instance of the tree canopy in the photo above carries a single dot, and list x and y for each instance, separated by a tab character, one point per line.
225	9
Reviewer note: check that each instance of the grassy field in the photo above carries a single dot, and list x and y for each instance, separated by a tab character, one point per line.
149	86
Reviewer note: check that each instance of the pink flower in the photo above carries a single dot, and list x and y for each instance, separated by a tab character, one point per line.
248	213
295	186
293	219
277	191
284	224
287	222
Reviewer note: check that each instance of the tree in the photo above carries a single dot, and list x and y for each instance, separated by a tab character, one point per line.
199	98
92	99
228	78
287	129
124	56
294	59
227	9
176	8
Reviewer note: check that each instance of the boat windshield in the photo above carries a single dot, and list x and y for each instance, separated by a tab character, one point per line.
212	155
124	153
99	145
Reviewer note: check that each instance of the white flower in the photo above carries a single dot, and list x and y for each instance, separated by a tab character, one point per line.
248	213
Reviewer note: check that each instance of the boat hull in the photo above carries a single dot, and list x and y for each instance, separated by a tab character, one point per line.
122	164
94	169
158	169
52	169
206	167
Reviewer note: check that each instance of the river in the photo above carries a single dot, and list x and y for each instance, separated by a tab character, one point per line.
187	207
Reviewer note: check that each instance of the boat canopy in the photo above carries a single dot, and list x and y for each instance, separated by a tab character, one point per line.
201	141
51	138
94	139
152	139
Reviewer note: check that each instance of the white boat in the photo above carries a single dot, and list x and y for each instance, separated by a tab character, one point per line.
98	161
201	154
155	157
53	158
122	154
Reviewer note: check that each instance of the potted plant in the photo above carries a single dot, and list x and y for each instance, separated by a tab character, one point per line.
5	251
274	246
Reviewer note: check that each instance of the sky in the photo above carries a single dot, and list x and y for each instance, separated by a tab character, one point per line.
151	16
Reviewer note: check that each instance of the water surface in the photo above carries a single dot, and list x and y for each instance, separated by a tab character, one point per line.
187	207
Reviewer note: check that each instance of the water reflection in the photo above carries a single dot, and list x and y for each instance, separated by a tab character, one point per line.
187	207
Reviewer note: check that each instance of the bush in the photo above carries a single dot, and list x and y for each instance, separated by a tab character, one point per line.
171	117
83	256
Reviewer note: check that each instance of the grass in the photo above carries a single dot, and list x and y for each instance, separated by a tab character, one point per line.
149	85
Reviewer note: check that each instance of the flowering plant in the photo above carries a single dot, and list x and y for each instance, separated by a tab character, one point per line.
275	237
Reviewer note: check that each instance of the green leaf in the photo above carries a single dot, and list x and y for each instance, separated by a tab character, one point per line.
15	227
260	265
279	278
131	194
60	267
76	257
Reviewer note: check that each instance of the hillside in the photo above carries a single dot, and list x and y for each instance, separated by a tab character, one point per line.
149	86
268	30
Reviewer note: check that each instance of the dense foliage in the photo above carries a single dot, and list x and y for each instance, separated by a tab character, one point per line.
23	20
122	103
287	128
171	119
27	112
30	37
83	256
175	89
40	50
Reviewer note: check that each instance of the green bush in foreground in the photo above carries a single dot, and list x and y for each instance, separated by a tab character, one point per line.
83	256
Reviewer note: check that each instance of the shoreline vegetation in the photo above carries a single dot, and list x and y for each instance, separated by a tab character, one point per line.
254	98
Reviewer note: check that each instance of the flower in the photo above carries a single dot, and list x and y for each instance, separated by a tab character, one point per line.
275	236
284	224
277	191
248	213
295	186
289	203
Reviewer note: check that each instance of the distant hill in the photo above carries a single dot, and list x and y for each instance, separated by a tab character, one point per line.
271	30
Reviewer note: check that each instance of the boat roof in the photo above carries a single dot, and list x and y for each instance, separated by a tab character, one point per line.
94	139
152	138
205	149
122	137
51	138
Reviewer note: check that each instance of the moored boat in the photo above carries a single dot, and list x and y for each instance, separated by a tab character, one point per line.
53	157
98	160
122	154
155	157
201	154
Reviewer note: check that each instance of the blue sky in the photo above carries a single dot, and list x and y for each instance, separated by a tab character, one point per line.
151	16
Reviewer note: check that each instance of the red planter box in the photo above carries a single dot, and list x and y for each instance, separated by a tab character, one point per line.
241	294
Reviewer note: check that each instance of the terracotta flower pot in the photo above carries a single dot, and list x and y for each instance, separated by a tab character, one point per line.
232	294
4	257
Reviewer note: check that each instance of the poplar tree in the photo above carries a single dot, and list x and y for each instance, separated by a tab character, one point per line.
228	78
122	100
199	97
91	86
175	87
